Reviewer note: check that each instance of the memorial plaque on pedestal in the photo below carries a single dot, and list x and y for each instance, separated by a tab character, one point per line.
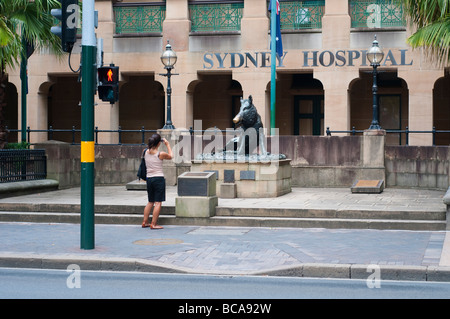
197	184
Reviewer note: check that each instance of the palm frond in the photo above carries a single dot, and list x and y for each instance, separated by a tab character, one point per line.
435	38
30	19
431	19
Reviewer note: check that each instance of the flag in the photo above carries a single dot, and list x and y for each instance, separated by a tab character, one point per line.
279	43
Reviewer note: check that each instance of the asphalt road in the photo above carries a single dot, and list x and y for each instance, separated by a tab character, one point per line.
17	283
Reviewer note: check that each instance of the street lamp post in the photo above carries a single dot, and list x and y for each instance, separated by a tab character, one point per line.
169	58
375	55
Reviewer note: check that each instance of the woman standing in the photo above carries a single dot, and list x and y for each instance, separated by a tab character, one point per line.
156	183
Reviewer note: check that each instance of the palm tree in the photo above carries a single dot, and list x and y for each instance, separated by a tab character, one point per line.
28	20
432	19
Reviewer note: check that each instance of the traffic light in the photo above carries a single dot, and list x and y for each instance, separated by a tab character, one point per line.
108	83
68	15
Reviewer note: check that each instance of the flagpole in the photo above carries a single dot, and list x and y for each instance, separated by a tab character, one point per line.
273	60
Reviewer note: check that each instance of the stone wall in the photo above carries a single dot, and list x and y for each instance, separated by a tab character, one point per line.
114	164
337	161
317	161
417	166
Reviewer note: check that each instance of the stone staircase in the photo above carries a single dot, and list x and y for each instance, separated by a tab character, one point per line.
234	216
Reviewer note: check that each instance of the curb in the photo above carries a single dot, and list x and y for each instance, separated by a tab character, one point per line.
361	271
307	270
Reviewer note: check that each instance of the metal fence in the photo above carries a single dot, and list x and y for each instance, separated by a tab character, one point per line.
406	131
22	165
74	134
143	133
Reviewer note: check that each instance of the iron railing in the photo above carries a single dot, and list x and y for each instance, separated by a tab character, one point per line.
143	133
216	17
299	15
138	19
376	14
406	131
22	165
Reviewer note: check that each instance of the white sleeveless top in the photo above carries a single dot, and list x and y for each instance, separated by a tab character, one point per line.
154	165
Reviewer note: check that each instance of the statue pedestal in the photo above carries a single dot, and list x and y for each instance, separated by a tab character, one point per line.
196	195
252	179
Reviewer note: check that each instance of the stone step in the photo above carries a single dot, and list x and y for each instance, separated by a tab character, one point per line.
76	208
317	213
331	213
240	221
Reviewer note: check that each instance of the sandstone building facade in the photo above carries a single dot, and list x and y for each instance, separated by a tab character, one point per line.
323	79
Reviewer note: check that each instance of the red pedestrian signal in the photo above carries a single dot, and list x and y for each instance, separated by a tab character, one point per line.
109	74
108	83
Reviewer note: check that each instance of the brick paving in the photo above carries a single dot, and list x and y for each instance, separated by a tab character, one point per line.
231	250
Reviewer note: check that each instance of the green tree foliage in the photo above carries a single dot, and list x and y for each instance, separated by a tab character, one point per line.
432	20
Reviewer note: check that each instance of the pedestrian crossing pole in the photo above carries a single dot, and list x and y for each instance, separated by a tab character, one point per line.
88	82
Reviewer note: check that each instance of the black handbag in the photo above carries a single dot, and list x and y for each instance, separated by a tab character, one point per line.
142	171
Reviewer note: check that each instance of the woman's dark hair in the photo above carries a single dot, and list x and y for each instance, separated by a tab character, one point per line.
154	140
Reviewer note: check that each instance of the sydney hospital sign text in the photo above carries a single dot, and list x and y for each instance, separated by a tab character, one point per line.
325	58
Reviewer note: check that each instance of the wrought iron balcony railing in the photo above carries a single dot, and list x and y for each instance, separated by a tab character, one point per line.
132	19
300	15
226	16
216	17
376	14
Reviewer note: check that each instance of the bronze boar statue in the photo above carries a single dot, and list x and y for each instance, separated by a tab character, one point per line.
250	125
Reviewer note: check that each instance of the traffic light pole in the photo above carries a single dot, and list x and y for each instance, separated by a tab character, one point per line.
88	72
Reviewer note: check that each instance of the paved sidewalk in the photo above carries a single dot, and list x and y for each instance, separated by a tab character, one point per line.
318	198
312	252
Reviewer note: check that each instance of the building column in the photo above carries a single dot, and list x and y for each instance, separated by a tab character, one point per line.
106	114
336	103
37	109
255	25
420	87
177	25
106	28
107	118
336	97
336	14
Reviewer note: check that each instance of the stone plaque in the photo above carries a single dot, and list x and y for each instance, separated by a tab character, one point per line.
247	175
228	176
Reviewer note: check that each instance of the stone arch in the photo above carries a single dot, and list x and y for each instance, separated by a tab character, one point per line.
215	98
11	114
299	104
63	94
441	108
142	104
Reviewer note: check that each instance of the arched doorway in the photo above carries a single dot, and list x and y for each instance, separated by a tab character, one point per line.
441	108
64	109
142	101
392	101
10	113
299	104
216	100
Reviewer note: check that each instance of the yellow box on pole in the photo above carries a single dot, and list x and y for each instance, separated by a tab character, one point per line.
87	152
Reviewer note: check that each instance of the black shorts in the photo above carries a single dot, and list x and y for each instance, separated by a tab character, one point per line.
156	189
